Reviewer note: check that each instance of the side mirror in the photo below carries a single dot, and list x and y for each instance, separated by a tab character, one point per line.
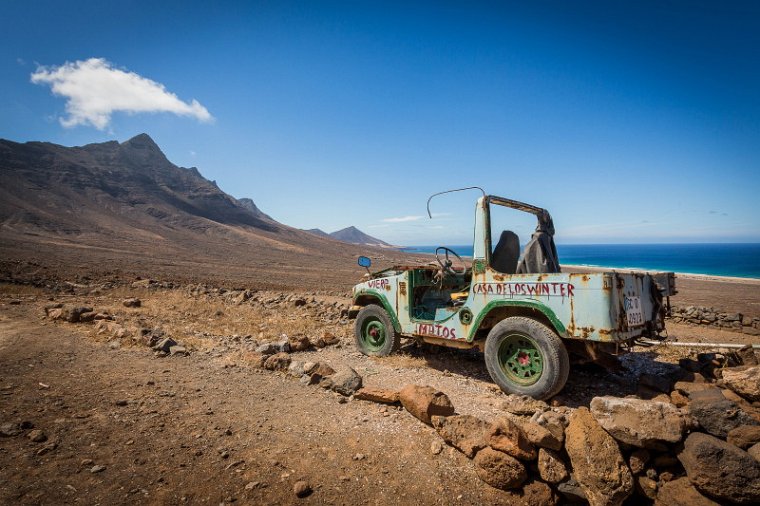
365	262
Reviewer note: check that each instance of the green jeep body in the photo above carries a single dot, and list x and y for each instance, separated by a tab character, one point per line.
524	322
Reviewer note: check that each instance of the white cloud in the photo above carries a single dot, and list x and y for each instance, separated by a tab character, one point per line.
402	219
94	89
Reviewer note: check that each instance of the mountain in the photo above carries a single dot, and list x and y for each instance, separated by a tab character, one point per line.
355	236
317	231
125	208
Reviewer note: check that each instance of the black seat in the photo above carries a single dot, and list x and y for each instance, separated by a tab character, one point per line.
506	253
540	255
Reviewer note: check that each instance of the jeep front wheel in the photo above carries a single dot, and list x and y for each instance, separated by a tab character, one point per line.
373	332
525	357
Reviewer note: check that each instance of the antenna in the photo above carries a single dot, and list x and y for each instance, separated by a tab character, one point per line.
430	215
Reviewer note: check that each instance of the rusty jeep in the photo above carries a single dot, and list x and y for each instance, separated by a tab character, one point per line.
517	307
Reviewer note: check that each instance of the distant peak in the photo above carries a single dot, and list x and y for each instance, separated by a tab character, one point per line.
143	141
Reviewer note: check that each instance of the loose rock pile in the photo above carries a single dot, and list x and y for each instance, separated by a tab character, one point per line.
697	442
696	315
105	324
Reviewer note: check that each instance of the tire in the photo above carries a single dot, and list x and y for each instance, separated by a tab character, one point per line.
374	334
525	357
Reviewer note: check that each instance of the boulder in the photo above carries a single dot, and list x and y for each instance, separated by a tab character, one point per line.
597	463
424	402
554	422
299	343
638	460
523	405
541	436
571	491
744	436
747	356
681	492
535	493
641	423
499	469
132	302
744	382
505	435
345	381
646	486
380	395
165	344
720	470
277	362
718	416
551	467
754	450
466	433
657	382
268	349
687	388
296	368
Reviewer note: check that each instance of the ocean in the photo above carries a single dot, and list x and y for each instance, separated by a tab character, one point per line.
735	260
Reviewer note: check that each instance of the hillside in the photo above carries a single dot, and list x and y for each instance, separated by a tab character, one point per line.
125	209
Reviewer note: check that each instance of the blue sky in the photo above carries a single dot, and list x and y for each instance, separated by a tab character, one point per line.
630	121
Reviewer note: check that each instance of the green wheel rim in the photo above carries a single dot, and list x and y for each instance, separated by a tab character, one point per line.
520	359
373	334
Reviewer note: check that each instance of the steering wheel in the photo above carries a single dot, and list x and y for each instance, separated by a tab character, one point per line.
446	265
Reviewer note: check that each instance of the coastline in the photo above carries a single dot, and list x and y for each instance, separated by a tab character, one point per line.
682	275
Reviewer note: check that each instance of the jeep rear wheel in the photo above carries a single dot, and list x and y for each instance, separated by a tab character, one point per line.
373	332
525	357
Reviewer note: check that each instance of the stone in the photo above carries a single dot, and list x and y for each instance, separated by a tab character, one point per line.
97	468
165	344
36	436
507	436
499	469
132	302
322	369
680	492
744	382
299	343
551	467
345	381
754	450
301	489
523	405
178	350
720	470
746	355
638	460
87	317
296	368
466	433
268	349
536	493
744	436
423	402
277	362
572	491
554	422
657	382
10	430
436	447
541	436
597	463
646	487
688	388
380	395
718	416
678	399
641	423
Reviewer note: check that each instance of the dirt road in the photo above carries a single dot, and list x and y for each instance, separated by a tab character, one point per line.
197	430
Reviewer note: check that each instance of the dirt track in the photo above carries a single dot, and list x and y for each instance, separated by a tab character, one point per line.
168	443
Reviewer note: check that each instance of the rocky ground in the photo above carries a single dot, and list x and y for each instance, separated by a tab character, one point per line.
157	393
